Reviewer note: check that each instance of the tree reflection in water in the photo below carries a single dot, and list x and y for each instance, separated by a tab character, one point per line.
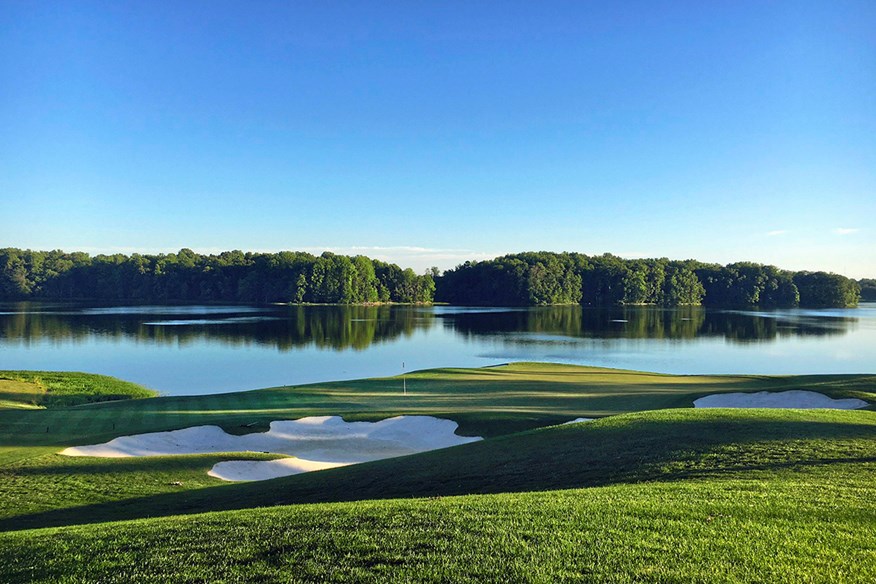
359	327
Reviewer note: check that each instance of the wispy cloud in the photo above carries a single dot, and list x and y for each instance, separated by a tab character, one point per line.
776	232
846	230
418	258
128	250
406	256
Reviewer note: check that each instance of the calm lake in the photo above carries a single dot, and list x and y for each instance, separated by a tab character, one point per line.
182	350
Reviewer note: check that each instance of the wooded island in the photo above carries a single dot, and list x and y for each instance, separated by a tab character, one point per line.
524	279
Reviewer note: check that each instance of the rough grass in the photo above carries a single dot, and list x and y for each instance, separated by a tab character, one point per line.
20	394
52	389
787	526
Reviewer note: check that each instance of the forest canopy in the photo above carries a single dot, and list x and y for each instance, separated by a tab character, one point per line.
545	278
231	276
524	279
868	289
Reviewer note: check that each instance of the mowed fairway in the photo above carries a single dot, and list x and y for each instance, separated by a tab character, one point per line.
670	495
485	402
741	504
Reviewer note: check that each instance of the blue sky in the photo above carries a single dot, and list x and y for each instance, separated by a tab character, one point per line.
430	133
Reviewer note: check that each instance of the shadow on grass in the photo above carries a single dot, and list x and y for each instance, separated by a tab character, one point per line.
664	445
137	464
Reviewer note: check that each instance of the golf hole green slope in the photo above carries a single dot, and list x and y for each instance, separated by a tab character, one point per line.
629	448
644	493
686	495
485	402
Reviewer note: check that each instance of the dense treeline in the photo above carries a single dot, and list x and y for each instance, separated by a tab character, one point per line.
545	278
232	276
525	279
868	289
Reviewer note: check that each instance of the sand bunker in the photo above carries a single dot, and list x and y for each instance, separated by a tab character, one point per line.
576	420
261	470
317	442
778	400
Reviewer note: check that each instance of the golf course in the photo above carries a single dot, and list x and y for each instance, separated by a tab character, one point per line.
648	488
437	292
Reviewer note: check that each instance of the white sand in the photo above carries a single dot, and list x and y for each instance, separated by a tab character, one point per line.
778	400
260	470
576	420
317	442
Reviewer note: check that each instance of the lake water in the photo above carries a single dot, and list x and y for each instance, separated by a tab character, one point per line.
182	350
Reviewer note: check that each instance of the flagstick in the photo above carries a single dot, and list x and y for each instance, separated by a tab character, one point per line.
404	381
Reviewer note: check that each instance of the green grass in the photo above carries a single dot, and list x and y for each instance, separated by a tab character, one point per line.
485	402
786	530
661	496
20	394
49	482
51	389
38	483
666	445
761	518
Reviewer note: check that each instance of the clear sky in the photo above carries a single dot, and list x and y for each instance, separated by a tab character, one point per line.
428	133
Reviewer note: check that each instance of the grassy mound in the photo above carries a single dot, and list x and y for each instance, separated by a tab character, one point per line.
669	495
666	445
816	524
55	389
39	487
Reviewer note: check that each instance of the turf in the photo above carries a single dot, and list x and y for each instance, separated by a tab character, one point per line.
47	489
47	482
51	389
678	495
667	445
808	523
485	402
